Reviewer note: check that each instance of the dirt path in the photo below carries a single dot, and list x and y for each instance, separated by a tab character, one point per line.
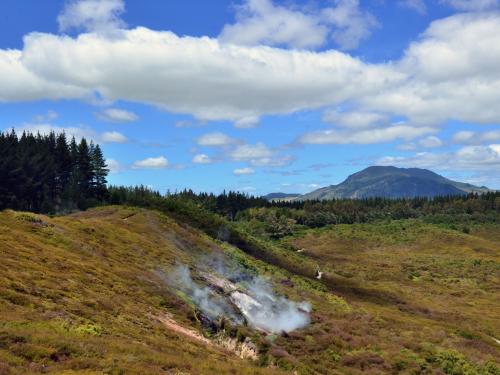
245	350
174	326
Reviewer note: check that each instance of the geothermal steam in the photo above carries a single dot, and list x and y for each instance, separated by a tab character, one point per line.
239	296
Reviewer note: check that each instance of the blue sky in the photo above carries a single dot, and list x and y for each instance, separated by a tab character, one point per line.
257	95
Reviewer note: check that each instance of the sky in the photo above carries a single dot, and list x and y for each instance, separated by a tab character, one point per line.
259	96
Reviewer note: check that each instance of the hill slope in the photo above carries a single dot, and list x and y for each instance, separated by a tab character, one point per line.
87	294
392	182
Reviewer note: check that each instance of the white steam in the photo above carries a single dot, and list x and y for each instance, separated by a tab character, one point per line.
268	312
209	302
233	293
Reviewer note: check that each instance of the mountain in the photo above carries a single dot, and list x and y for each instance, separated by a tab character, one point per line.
272	197
392	182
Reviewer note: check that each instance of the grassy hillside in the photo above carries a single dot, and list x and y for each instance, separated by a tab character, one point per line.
78	295
81	294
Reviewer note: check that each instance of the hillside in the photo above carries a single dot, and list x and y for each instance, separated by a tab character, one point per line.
117	290
392	182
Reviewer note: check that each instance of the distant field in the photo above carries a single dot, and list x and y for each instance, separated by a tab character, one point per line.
79	295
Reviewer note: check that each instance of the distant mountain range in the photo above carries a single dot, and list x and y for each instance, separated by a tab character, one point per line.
387	182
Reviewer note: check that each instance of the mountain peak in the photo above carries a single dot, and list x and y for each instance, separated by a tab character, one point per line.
393	182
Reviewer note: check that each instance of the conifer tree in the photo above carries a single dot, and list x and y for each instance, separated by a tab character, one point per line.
43	173
100	172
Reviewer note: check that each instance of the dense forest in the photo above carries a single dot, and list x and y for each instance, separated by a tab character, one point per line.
48	173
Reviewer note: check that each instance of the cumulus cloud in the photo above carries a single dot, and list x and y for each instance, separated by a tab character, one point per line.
159	162
238	83
91	15
466	89
216	139
243	171
352	25
113	137
19	83
202	159
117	115
263	22
376	135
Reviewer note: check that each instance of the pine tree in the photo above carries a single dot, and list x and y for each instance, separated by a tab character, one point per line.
42	173
99	172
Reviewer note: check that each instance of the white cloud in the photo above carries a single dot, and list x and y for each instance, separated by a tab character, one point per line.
19	83
469	158
202	159
352	25
223	82
92	15
159	162
418	6
117	115
247	122
114	166
113	137
355	119
216	139
243	171
472	5
251	152
430	142
259	155
377	135
216	81
263	22
475	138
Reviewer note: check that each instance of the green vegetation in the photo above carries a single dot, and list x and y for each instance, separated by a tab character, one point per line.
45	173
79	294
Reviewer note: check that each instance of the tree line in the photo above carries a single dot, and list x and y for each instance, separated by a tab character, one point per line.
48	173
236	206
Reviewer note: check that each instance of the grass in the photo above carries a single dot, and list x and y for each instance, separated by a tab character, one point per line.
417	285
78	293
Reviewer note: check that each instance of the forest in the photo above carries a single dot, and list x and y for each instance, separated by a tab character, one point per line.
49	174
